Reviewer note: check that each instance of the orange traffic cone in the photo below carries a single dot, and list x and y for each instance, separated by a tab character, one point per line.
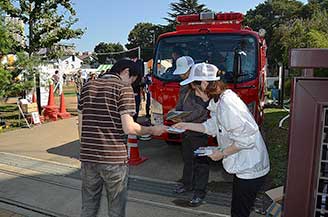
63	114
133	151
33	98
51	110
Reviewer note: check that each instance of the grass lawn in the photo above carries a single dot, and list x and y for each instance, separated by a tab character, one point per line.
277	143
9	117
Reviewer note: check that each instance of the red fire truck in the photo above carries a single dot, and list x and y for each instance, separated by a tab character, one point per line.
216	38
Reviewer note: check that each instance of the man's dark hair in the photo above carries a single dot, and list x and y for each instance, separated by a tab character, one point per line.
122	64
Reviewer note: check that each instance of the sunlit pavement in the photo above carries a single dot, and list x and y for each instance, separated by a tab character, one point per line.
40	176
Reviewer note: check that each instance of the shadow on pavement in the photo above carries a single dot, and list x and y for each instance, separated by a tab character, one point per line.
181	202
71	149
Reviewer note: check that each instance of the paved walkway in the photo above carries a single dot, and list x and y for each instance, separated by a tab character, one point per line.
57	142
7	213
36	142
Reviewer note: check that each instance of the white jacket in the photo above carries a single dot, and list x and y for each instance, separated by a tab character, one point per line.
232	123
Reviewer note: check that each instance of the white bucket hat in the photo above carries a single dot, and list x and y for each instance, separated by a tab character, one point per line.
183	65
202	72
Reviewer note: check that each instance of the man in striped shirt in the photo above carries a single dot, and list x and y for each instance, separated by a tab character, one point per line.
106	108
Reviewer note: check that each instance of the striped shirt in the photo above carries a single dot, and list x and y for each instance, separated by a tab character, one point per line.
102	103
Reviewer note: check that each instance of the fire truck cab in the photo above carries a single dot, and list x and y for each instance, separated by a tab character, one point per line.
216	38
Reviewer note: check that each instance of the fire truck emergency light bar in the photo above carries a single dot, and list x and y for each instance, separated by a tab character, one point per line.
207	16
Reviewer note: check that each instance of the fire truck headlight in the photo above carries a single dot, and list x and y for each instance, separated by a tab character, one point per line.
251	107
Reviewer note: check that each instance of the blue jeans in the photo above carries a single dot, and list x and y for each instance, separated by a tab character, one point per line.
114	178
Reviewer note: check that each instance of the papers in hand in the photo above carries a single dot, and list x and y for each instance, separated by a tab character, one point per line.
175	130
205	151
177	114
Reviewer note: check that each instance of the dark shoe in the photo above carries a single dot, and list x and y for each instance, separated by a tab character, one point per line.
181	189
196	201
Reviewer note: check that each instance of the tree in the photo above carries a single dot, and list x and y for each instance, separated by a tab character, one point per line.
6	40
103	47
269	16
143	35
183	7
312	7
48	21
10	84
301	33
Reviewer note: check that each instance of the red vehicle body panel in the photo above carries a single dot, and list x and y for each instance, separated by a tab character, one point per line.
167	93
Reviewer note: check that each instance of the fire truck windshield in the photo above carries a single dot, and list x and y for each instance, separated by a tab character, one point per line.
217	49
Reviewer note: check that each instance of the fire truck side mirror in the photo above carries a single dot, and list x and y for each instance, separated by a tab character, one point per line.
237	71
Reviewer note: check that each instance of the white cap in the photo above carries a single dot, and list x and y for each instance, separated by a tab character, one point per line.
202	72
183	64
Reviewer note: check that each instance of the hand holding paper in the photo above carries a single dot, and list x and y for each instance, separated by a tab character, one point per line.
175	130
205	151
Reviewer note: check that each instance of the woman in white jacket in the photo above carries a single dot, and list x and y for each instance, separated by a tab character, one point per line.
241	147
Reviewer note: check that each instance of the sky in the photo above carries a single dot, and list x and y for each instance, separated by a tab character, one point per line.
112	20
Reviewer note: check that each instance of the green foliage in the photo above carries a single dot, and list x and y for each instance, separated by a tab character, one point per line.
6	40
141	35
290	24
5	81
269	16
301	33
312	7
144	35
103	47
10	85
317	38
16	79
288	36
48	21
183	7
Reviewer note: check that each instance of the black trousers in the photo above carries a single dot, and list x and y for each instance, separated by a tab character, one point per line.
244	194
196	169
138	101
